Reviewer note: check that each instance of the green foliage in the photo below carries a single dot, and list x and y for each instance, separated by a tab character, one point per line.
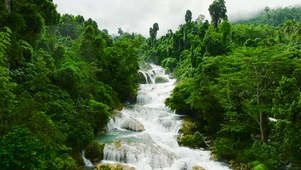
169	64
59	80
94	151
4	43
20	149
123	60
177	101
265	153
214	43
260	167
58	83
229	84
275	17
64	162
228	148
80	133
69	27
286	109
95	112
6	85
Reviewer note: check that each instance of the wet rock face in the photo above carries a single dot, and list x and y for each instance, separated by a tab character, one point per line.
145	77
128	123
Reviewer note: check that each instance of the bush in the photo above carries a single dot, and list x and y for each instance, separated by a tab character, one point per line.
225	147
259	166
195	141
266	154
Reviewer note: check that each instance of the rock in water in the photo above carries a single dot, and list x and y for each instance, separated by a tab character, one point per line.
197	167
160	79
128	122
115	166
134	125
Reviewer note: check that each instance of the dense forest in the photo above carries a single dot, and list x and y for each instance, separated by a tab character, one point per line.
61	77
240	82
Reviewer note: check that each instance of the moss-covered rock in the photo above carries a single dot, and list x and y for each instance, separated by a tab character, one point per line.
213	156
197	167
190	136
160	79
94	151
115	166
189	126
117	144
195	140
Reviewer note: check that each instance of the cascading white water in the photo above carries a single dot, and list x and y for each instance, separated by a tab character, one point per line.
156	147
87	162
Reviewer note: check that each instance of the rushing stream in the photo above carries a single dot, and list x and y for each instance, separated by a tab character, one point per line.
154	143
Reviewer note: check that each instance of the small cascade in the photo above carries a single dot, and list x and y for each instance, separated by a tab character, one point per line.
146	77
124	121
156	146
143	154
88	163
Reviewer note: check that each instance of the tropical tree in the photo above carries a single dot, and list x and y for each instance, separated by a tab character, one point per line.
6	85
153	33
188	16
286	112
218	12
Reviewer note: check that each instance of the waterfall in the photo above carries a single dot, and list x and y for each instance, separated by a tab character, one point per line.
154	147
88	163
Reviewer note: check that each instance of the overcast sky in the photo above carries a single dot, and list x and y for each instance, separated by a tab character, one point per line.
139	15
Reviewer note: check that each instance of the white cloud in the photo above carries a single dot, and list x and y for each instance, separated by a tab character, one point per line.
139	15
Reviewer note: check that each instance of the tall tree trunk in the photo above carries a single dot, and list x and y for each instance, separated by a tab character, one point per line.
263	116
7	4
262	134
264	126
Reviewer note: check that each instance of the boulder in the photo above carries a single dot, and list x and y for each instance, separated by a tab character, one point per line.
160	79
130	123
114	166
197	167
213	157
117	144
94	151
134	125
